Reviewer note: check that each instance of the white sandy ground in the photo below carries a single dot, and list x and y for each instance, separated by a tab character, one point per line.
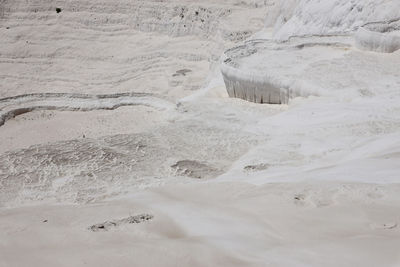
217	224
312	183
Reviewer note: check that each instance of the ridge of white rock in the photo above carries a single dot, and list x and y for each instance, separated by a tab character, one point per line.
379	37
11	107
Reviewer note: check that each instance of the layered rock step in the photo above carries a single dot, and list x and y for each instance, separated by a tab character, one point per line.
379	36
265	71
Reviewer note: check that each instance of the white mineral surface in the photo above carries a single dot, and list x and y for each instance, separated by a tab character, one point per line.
120	145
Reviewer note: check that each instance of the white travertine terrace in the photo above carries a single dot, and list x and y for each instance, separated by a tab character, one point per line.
251	86
374	24
263	71
120	146
379	37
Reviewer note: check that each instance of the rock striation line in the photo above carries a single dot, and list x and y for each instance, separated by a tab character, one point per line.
11	107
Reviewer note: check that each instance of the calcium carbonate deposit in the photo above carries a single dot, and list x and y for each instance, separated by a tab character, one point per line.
187	133
255	71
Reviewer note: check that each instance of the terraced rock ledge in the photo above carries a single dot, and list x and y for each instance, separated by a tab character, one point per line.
11	107
262	71
379	36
